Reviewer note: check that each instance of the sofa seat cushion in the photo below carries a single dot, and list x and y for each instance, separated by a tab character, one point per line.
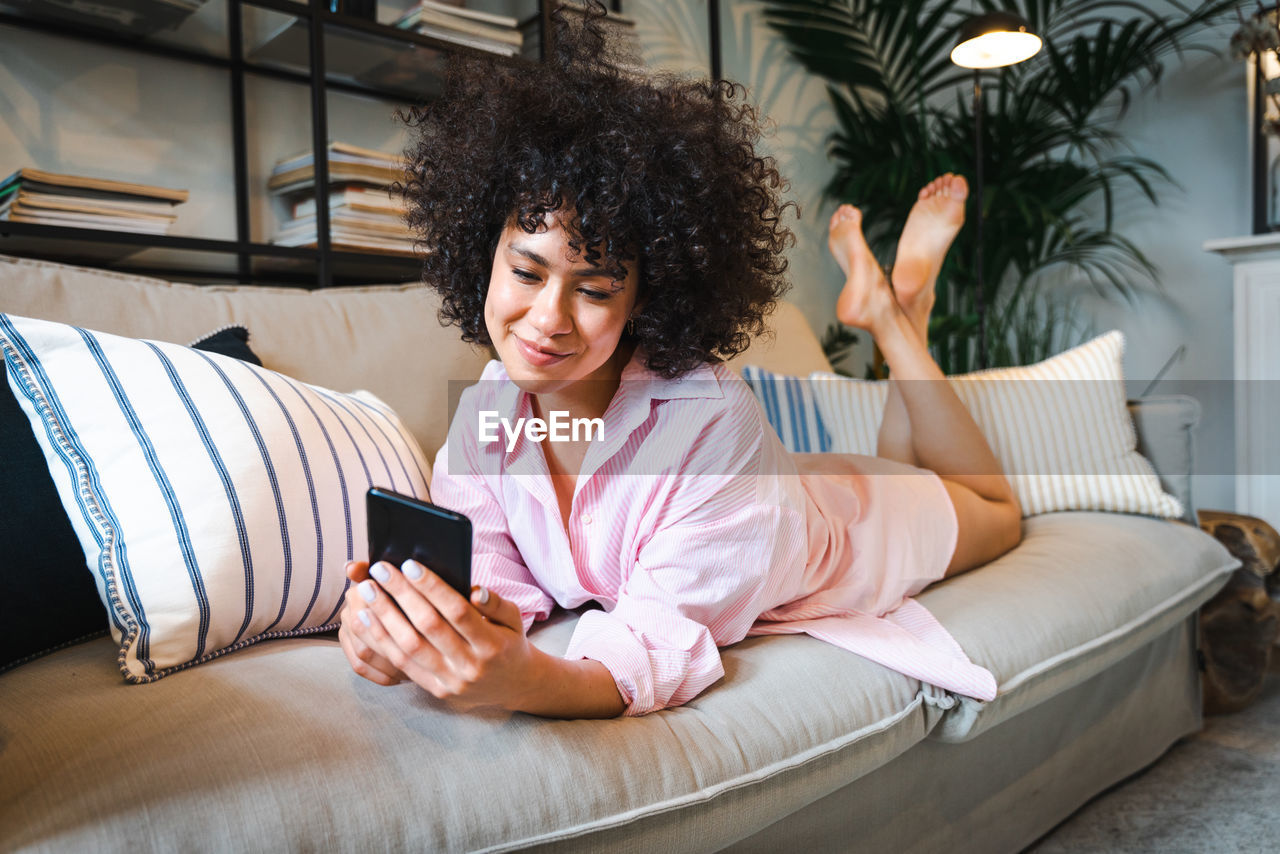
282	747
1081	591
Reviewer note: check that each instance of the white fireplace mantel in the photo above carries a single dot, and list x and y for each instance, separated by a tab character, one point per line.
1256	263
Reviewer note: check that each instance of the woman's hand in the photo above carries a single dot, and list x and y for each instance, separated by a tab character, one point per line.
364	661
473	653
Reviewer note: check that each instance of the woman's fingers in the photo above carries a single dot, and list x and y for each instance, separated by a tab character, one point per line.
357	570
497	609
432	607
421	662
364	661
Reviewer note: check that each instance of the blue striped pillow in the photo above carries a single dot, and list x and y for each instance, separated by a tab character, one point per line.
792	411
216	502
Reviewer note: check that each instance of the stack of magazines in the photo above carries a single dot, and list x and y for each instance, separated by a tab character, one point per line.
467	27
363	213
80	201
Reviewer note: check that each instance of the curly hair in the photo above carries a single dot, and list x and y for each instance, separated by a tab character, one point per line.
658	170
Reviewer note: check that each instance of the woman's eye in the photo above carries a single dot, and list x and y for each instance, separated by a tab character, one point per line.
524	275
590	293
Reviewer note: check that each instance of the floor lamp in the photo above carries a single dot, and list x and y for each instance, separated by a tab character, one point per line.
993	40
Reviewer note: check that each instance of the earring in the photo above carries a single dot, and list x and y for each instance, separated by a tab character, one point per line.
631	325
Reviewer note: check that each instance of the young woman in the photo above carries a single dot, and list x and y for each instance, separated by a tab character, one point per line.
614	239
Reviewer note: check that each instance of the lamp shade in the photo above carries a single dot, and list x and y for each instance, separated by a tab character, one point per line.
994	40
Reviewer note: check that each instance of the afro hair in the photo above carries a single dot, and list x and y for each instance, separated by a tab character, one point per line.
659	171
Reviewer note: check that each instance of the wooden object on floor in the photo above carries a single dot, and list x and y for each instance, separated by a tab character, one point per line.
1240	625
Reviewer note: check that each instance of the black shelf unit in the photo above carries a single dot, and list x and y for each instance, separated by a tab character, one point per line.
242	260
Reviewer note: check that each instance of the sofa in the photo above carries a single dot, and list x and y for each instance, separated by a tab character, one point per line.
1089	627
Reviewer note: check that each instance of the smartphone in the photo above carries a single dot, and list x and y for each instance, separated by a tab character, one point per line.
401	527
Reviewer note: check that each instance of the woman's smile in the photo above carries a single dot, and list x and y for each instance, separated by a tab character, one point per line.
539	357
556	319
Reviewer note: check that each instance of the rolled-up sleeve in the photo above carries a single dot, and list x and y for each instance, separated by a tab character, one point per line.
693	589
495	561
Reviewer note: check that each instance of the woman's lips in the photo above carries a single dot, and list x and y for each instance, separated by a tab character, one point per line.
536	357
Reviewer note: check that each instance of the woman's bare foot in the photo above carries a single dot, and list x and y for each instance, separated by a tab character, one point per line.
932	225
866	302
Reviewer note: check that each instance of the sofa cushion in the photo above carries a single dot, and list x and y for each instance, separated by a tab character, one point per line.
47	595
1059	428
790	409
1079	593
386	339
230	341
217	502
283	747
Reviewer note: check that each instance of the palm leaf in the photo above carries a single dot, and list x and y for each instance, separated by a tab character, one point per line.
1054	160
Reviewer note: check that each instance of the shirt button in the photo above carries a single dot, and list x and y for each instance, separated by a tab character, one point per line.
586	518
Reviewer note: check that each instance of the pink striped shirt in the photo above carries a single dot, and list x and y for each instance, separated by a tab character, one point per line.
693	528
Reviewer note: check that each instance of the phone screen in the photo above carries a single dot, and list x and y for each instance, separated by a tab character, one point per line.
401	527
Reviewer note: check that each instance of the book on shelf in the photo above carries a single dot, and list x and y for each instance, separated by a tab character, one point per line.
14	213
83	201
432	10
40	181
347	163
136	17
38	202
354	198
377	226
358	241
468	27
502	48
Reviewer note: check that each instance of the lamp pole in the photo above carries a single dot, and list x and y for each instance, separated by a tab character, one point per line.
990	40
979	295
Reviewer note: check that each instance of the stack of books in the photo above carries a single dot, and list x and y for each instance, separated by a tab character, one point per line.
467	27
363	214
136	17
79	201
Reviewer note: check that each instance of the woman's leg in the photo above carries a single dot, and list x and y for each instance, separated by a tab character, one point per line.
937	431
932	225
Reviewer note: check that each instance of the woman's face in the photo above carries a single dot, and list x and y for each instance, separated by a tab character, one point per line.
554	318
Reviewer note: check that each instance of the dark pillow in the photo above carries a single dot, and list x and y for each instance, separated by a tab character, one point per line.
230	341
48	598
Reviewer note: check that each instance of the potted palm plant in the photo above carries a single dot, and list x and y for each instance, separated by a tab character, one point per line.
1053	160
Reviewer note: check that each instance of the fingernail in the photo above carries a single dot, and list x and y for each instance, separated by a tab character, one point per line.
412	570
367	591
364	617
379	572
484	596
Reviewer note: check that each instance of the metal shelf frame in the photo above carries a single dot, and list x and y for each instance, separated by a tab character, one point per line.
319	19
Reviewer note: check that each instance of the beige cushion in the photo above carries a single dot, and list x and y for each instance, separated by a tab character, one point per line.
1059	428
1081	592
385	339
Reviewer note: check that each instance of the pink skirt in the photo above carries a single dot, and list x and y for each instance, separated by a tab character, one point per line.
879	533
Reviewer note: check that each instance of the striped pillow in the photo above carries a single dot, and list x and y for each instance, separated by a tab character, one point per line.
1060	428
216	502
790	408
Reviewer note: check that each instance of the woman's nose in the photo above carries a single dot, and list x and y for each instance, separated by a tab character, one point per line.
550	312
